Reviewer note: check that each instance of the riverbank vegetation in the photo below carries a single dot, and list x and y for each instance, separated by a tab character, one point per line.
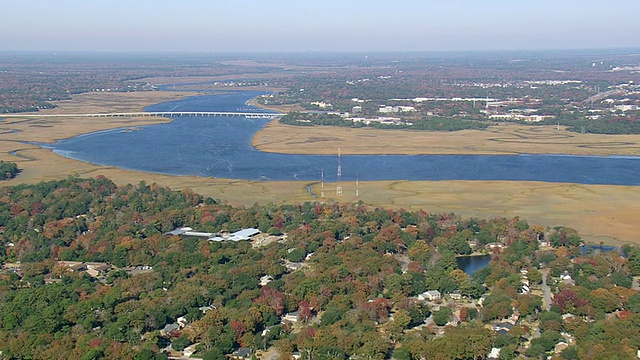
8	170
88	272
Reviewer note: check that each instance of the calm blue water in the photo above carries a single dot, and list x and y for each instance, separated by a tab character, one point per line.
596	249
221	147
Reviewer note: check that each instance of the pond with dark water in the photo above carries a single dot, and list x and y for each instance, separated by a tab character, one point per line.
471	264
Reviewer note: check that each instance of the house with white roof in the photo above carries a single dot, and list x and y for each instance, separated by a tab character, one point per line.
188	232
241	235
430	295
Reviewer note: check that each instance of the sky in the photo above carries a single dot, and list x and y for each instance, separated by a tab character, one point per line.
329	25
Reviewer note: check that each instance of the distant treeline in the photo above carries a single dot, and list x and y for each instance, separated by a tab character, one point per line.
613	126
30	82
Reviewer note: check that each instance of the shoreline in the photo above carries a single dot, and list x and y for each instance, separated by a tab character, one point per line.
599	212
307	136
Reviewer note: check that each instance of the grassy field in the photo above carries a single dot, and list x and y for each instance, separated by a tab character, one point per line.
499	139
599	213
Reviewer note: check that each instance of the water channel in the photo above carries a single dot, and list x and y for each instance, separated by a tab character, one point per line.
220	147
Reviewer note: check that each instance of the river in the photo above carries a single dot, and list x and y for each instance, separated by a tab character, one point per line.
220	147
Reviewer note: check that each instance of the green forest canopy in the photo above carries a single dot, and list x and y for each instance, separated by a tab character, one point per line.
355	297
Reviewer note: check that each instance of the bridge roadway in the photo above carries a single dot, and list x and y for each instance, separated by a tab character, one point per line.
251	115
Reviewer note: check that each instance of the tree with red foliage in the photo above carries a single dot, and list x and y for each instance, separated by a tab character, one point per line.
238	329
272	297
377	309
569	301
37	208
304	311
624	314
95	342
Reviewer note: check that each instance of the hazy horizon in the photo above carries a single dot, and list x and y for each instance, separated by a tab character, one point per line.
330	26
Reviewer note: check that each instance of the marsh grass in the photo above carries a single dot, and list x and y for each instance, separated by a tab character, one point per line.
599	213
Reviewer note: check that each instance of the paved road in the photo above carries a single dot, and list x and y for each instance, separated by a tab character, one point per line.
603	95
546	290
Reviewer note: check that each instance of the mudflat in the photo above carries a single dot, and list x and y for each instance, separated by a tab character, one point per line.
599	213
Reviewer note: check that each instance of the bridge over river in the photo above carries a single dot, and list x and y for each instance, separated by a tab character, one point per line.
251	115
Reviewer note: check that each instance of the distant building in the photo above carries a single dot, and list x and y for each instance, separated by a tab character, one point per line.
537	118
387	109
182	321
494	247
241	235
170	329
291	318
502	116
242	353
431	295
322	105
506	326
189	350
73	265
395	109
48	279
265	280
567	280
291	266
244	234
204	309
381	120
456	295
189	232
494	354
624	108
560	347
97	269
